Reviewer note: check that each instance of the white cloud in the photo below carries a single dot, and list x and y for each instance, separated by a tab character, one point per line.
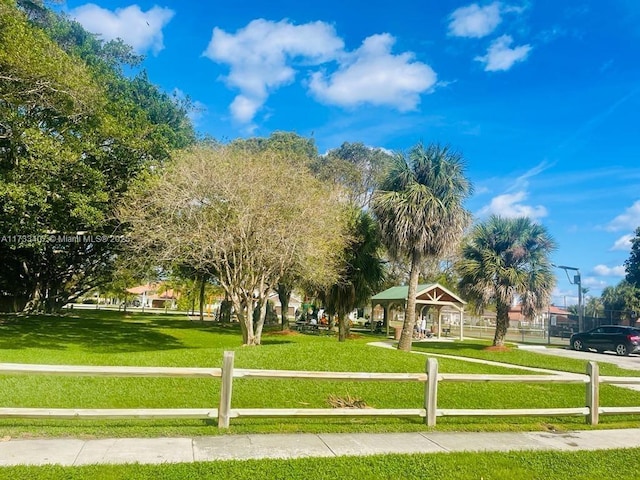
603	270
245	108
141	30
500	56
593	283
260	57
373	75
509	205
475	21
630	219
623	243
522	181
266	55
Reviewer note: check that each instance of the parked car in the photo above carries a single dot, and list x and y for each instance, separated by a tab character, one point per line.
622	340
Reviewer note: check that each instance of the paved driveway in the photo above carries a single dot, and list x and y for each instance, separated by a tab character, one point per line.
632	362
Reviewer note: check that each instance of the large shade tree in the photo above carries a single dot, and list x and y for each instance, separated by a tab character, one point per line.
305	151
504	259
358	169
246	217
419	206
361	274
74	132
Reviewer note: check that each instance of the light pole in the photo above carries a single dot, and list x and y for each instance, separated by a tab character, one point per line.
576	281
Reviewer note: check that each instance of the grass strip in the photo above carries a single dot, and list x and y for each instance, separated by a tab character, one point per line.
525	465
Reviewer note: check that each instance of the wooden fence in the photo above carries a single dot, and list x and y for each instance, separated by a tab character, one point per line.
224	413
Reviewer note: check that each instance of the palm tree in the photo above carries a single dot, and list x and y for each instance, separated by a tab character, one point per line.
505	258
419	208
362	275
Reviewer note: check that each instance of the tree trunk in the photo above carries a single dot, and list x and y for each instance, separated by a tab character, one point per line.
35	302
284	315
262	311
202	286
260	324
502	323
343	326
284	295
244	312
410	312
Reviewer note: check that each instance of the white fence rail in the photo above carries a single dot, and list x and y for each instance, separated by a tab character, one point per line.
224	412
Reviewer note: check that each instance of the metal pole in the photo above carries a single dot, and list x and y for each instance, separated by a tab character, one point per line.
580	309
576	281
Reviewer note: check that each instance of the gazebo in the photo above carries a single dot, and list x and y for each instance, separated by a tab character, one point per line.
431	295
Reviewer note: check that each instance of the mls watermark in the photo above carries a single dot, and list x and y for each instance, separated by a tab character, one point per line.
62	238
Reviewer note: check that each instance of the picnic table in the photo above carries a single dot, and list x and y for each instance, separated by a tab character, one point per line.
304	327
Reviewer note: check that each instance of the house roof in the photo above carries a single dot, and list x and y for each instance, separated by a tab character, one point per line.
150	290
140	289
550	309
558	311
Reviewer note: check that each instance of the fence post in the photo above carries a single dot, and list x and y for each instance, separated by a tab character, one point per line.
593	393
225	391
431	392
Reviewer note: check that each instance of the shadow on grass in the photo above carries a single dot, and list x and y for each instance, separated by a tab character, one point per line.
107	331
59	333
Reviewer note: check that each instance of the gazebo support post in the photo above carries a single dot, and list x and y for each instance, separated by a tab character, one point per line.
385	317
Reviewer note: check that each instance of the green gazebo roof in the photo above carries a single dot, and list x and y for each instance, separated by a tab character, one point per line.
400	292
427	293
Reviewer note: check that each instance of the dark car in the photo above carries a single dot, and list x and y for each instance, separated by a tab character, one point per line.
616	338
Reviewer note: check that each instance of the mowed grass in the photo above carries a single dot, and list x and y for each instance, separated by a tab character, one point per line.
515	356
111	338
619	464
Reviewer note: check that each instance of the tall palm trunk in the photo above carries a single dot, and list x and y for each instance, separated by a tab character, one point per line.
502	323
410	312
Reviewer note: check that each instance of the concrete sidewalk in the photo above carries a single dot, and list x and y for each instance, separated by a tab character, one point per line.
73	452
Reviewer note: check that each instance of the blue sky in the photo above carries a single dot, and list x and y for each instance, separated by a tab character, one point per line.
541	97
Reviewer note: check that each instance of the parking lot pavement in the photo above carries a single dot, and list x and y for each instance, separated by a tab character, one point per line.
632	362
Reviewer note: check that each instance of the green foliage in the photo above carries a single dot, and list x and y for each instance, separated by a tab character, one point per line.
362	273
74	132
299	148
503	258
420	210
621	303
355	167
632	264
243	221
419	204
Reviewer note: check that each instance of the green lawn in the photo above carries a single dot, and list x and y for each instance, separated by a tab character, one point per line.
515	356
619	464
111	338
